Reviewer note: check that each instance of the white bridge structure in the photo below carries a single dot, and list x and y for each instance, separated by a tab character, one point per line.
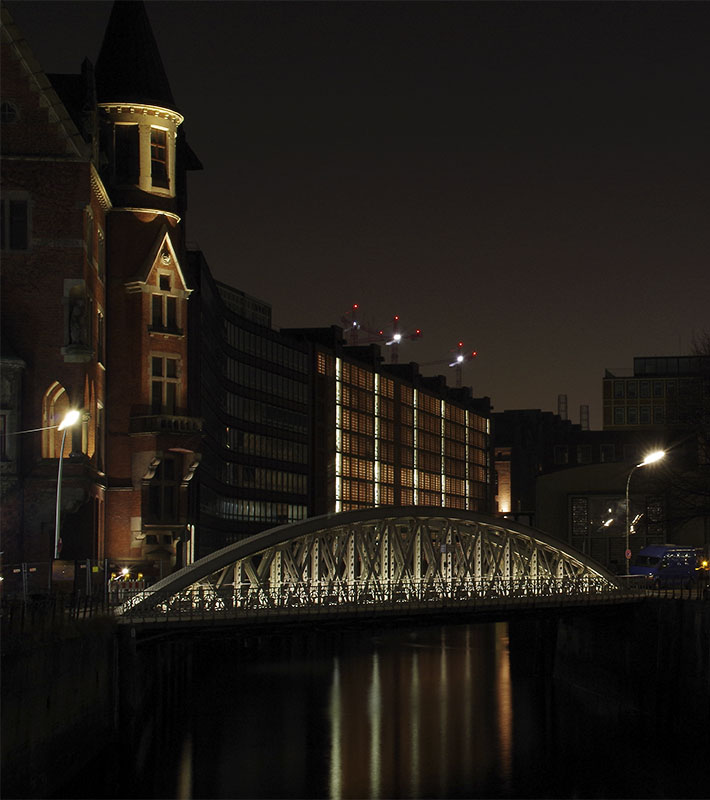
404	560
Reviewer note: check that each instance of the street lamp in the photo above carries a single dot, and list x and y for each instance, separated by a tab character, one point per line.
651	458
70	419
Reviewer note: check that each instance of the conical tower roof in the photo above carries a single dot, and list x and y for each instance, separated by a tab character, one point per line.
129	68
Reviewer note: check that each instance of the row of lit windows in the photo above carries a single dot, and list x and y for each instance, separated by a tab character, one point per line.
429	404
638	415
255	444
427	422
455	414
455	486
265	349
250	510
270	480
357	399
356	376
265	414
356	422
268	382
430	461
455	431
633	389
386	473
430	442
386	387
358	491
454	449
385	408
354	445
356	468
428	498
386	430
429	481
455	468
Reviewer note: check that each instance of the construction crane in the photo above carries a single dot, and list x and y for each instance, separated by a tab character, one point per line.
357	333
457	361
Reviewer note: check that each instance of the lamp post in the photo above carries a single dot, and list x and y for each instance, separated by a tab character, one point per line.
651	458
70	419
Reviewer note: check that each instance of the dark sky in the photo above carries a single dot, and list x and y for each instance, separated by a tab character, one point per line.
530	178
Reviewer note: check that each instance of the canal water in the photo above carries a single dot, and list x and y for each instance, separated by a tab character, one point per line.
451	711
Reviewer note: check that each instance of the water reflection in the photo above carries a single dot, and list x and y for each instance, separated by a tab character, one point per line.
454	711
426	713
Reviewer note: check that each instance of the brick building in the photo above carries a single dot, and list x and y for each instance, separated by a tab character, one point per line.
94	302
54	209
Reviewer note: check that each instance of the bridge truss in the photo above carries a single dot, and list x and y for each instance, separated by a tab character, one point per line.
377	557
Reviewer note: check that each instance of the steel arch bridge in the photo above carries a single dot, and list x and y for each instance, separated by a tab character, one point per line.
375	557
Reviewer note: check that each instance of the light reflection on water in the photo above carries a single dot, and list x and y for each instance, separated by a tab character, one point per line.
419	713
454	711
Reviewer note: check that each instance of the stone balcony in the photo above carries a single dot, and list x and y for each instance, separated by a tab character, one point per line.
164	423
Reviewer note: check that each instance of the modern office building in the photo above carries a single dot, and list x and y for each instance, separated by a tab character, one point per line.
660	391
385	435
251	385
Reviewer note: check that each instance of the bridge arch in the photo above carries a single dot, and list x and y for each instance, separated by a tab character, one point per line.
377	554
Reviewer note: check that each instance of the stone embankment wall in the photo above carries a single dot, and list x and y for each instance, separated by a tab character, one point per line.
649	659
59	704
86	691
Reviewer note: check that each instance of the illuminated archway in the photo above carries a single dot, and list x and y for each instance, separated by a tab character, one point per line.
55	405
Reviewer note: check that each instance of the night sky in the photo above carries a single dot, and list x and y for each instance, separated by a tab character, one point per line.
530	178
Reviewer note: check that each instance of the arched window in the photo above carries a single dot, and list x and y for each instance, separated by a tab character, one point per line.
54	406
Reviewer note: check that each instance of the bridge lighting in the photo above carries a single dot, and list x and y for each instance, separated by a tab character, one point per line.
650	458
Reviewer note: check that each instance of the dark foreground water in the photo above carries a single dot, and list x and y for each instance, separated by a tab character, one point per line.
410	713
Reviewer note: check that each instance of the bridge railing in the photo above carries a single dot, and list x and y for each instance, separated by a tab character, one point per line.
329	598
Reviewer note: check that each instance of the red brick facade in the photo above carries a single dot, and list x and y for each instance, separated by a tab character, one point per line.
94	318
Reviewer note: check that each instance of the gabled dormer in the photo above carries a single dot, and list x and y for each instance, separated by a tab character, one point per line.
161	278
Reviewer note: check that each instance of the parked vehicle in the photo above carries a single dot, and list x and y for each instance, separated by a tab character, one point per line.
668	565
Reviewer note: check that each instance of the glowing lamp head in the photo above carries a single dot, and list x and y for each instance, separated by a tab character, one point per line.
651	458
397	337
459	358
70	418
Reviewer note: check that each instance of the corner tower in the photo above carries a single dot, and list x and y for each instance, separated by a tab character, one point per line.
153	442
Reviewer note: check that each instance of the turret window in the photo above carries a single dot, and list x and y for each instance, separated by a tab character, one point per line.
126	154
159	158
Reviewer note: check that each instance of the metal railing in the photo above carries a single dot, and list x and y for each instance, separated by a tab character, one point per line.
247	602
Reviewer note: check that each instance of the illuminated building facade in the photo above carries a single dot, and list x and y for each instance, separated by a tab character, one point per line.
250	384
53	224
95	302
384	435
